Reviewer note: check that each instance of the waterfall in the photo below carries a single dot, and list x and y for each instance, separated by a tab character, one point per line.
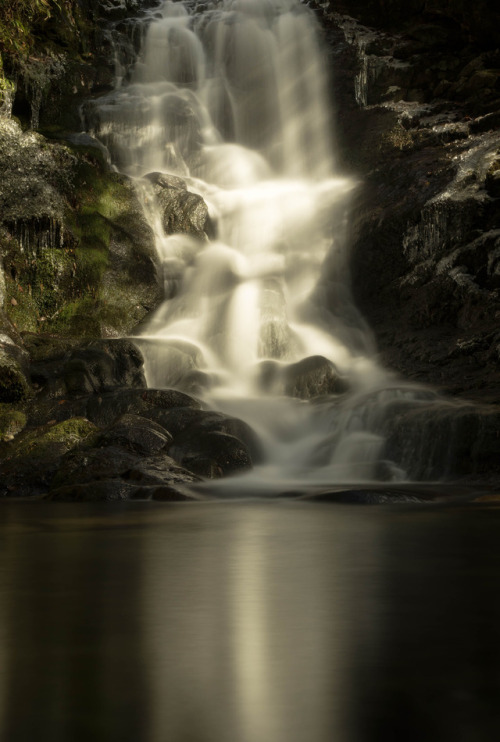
228	102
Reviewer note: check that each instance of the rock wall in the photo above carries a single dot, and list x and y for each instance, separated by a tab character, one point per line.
418	101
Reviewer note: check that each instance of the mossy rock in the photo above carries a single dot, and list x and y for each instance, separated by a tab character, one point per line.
12	421
87	267
29	462
14	386
52	441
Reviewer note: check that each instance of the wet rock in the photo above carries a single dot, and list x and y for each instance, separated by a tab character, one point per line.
176	364
106	407
29	462
312	377
83	369
159	470
485	123
113	472
422	274
78	255
148	440
213	455
191	423
447	440
368	496
33	176
167	398
166	494
136	434
14	379
182	210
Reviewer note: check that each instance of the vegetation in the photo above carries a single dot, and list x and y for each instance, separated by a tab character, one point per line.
19	20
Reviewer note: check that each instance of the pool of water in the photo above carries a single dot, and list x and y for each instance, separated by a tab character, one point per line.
249	622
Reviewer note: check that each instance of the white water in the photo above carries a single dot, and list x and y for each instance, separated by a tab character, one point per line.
236	101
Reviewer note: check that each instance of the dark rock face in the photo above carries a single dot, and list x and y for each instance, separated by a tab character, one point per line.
444	439
418	98
85	369
93	431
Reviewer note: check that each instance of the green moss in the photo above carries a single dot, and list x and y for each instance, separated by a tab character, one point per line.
79	317
12	421
48	347
38	283
14	386
21	308
90	266
61	274
53	440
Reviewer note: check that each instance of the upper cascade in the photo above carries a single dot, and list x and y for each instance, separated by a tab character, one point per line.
246	72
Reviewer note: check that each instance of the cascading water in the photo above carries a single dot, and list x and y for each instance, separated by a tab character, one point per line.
232	96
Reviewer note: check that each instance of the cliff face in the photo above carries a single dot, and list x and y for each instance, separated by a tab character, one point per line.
418	100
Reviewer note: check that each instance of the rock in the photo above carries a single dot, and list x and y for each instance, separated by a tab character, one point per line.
183	211
30	461
463	437
83	369
175	364
78	255
213	455
159	470
12	421
485	123
312	377
492	181
136	434
166	494
152	439
113	472
104	408
421	273
14	383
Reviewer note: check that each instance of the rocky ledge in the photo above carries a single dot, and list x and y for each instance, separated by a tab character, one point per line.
89	429
418	120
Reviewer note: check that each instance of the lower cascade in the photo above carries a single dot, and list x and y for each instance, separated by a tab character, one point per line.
225	126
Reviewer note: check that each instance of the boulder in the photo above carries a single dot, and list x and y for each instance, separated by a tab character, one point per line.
182	210
66	368
212	455
30	461
313	376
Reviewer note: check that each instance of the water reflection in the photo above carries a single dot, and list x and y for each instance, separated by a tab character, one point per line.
253	622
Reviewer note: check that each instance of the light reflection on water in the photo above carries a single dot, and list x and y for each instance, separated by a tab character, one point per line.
250	622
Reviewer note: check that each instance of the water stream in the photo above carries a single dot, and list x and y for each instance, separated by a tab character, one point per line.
233	96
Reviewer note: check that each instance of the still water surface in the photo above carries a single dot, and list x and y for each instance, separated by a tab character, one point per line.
249	622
